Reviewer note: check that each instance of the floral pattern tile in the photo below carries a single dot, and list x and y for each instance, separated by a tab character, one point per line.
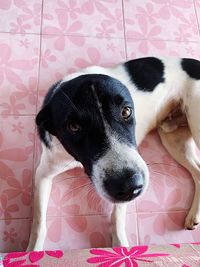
14	236
66	54
16	160
88	231
40	42
145	48
164	228
162	20
20	16
169	182
75	17
18	73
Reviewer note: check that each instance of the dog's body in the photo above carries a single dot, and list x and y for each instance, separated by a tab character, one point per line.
98	115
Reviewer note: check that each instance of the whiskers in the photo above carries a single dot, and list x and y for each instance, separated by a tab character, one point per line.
70	101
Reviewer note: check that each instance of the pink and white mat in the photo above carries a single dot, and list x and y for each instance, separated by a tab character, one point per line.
185	255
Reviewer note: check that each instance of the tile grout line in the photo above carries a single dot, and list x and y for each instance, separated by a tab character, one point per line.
195	9
16	115
162	40
126	54
17	218
124	27
40	52
89	215
137	222
36	108
107	37
56	34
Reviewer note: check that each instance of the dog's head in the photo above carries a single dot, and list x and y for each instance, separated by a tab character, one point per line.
93	118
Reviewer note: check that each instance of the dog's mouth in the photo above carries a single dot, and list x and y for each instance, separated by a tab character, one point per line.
128	196
124	196
121	196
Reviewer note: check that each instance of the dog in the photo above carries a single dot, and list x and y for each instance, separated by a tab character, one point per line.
97	117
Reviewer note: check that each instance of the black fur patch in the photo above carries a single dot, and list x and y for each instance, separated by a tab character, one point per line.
43	118
191	67
146	73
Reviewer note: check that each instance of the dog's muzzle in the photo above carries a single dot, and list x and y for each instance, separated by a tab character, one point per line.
120	174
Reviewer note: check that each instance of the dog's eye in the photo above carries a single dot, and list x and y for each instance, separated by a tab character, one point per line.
126	112
74	127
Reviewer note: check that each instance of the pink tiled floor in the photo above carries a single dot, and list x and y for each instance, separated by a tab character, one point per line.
42	40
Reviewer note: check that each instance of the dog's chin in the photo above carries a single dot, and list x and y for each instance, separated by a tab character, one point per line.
113	200
124	200
118	201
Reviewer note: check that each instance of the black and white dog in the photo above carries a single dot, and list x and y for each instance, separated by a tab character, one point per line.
97	117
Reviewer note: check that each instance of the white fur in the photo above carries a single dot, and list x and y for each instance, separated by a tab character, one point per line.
148	106
52	163
118	220
119	155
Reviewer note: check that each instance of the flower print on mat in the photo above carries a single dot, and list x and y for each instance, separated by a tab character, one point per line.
17	259
118	256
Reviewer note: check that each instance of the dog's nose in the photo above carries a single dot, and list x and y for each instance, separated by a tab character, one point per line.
122	187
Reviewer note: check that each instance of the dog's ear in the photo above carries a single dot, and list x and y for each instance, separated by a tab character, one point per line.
44	120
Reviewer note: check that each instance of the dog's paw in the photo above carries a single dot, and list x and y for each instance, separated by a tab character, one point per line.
192	220
122	242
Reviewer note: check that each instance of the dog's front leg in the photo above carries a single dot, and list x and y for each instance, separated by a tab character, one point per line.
118	224
42	191
53	162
